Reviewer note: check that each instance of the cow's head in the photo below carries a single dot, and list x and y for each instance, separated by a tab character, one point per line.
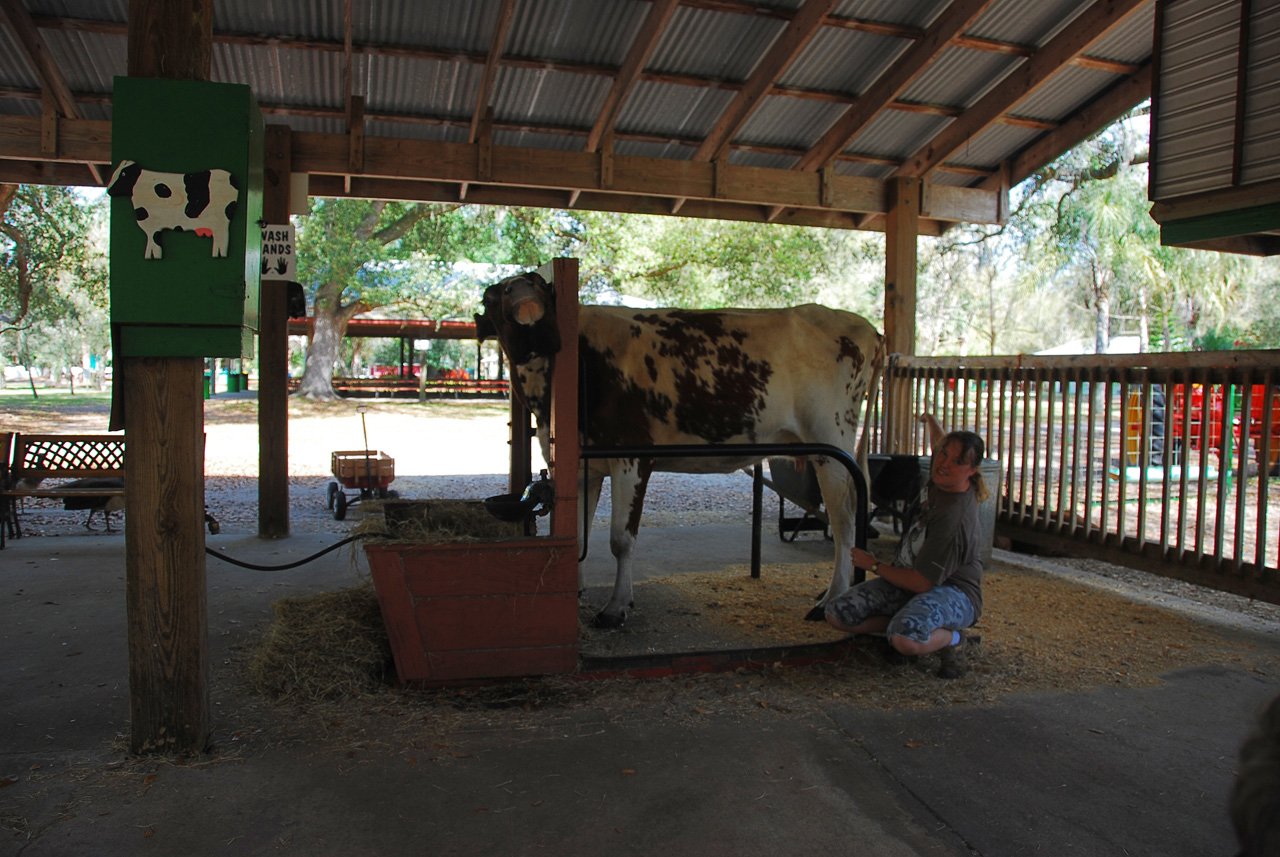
520	313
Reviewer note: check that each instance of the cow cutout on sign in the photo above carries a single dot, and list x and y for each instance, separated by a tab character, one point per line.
202	202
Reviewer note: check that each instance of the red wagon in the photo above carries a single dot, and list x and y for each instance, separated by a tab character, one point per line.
366	471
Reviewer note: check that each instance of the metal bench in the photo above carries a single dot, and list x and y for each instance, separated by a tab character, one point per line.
27	461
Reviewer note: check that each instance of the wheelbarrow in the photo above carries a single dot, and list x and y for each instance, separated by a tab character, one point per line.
365	471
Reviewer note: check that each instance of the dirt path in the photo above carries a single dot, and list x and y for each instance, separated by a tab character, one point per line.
453	449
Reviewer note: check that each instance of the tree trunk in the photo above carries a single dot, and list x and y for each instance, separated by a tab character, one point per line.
1144	322
1102	314
322	353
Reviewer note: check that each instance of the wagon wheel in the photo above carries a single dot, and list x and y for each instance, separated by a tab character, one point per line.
383	492
340	507
333	492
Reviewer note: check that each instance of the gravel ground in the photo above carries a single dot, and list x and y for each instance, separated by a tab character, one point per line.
455	449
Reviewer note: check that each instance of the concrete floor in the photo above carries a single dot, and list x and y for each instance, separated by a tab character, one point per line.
1114	771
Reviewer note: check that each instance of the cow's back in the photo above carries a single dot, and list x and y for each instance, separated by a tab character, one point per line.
724	376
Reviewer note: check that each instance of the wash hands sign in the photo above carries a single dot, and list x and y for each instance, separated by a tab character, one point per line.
278	259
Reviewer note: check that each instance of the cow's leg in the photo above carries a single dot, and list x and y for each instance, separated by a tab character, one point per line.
840	500
588	500
627	483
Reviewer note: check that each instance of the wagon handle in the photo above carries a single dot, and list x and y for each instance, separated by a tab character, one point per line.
368	467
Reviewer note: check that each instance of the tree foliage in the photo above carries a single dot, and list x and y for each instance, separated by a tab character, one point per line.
359	255
697	263
53	276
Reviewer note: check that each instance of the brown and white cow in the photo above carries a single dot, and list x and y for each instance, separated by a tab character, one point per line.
674	376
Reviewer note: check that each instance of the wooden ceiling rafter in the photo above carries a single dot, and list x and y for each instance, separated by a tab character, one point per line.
482	116
56	94
1112	104
642	47
566	66
1093	23
891	83
354	103
785	48
527	128
506	13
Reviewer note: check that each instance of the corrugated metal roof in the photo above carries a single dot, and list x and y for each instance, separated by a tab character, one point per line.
959	77
1195	133
1025	23
15	71
1261	148
897	134
713	44
1064	94
676	111
978	151
1130	41
420	67
789	122
907	13
843	61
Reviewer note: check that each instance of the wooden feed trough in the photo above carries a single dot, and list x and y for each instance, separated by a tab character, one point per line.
501	607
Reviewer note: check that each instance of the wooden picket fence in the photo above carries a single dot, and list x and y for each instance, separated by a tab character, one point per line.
1164	462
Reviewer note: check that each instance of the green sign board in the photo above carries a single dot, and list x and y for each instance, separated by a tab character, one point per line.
186	206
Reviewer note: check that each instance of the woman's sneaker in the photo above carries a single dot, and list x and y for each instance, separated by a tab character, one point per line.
955	659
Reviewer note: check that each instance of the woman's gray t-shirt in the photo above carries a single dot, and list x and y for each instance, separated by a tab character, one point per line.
943	542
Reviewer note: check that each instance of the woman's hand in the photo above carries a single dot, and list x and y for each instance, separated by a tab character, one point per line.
861	558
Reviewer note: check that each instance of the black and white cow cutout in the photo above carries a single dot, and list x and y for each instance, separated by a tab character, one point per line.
674	376
202	202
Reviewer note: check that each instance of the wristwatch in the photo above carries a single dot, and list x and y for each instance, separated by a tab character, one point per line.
875	567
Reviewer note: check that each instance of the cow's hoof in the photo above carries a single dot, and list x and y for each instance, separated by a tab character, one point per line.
817	614
608	620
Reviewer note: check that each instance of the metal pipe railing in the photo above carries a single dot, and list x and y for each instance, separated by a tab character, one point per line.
862	495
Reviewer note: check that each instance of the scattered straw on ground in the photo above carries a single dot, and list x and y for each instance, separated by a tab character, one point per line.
325	646
1039	634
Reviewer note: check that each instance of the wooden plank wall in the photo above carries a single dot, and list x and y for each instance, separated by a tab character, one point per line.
1164	462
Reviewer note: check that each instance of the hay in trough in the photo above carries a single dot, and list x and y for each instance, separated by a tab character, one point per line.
431	522
326	646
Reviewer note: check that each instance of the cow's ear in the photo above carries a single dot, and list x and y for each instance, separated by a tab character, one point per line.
485	328
124	178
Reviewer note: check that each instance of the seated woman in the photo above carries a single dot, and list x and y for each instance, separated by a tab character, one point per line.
933	590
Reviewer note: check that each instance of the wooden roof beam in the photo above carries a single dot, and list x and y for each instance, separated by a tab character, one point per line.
1088	27
655	23
114	28
47	72
1078	127
500	29
775	61
890	84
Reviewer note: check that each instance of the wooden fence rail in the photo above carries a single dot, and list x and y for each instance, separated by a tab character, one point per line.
1163	462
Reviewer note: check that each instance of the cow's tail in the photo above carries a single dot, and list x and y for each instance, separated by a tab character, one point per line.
873	390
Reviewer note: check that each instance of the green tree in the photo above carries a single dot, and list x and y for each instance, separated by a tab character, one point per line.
53	276
695	263
358	256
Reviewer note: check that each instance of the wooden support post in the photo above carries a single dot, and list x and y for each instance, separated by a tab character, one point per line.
49	127
902	226
165	589
273	352
565	451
